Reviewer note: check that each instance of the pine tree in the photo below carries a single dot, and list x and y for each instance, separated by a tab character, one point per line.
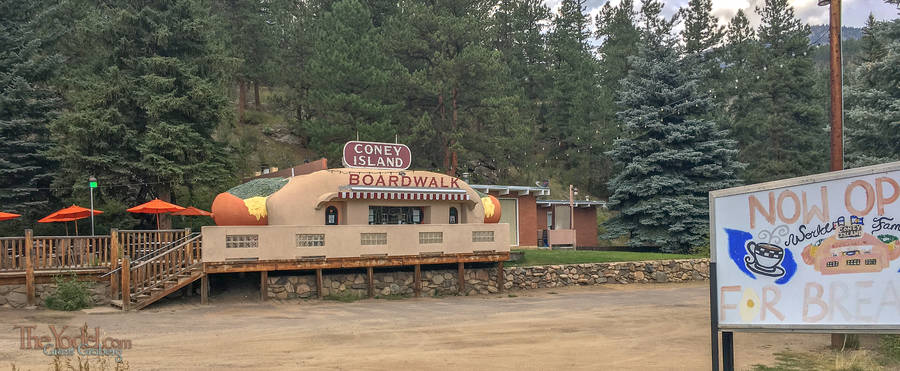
670	156
572	115
617	30
701	28
144	104
872	118
349	79
27	104
789	122
463	111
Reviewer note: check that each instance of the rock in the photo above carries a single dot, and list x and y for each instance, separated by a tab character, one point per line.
335	284
639	276
359	279
386	291
660	277
388	279
437	279
303	288
394	289
492	289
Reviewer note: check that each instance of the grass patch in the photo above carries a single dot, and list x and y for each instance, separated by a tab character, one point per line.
346	297
856	360
550	257
512	296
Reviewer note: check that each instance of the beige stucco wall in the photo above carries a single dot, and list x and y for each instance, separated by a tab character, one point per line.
296	203
342	241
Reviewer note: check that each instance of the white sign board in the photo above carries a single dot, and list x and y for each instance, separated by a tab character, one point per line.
815	252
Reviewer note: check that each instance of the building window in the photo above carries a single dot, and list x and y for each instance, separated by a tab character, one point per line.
831	264
482	236
871	261
310	240
241	241
454	215
368	239
431	237
853	262
331	216
396	215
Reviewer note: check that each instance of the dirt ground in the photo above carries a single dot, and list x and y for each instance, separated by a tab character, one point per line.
613	327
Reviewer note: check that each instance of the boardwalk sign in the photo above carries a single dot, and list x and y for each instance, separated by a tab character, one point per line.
817	252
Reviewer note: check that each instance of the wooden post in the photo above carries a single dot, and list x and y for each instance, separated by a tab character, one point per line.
204	289
29	267
319	283
500	277
126	283
263	285
461	272
417	277
113	262
371	273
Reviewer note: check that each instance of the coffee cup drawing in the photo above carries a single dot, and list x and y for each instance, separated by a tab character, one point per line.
764	259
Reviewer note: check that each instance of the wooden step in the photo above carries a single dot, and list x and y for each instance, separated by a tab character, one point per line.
116	303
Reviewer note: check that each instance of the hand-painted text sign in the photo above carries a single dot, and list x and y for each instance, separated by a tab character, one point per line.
814	252
372	155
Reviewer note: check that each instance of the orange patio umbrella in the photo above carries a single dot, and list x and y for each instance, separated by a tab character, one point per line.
69	214
157	207
8	216
192	211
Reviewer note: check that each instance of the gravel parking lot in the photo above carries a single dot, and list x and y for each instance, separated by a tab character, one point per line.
615	327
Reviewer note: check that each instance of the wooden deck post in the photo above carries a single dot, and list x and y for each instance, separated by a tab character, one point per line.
371	273
462	277
113	262
417	278
500	277
319	283
29	267
263	285
126	283
204	289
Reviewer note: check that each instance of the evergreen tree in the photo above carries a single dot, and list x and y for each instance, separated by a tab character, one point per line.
701	28
671	157
872	118
459	100
27	103
349	80
791	137
619	36
737	88
572	116
145	105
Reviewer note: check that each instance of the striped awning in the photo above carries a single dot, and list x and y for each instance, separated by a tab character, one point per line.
434	196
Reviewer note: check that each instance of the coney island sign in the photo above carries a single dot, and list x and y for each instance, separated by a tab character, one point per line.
374	155
816	253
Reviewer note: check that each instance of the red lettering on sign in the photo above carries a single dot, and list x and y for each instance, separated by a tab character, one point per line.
392	180
454	183
380	180
419	181
405	181
368	182
442	183
354	179
433	183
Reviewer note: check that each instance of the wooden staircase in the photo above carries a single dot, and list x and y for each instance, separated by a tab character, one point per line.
160	273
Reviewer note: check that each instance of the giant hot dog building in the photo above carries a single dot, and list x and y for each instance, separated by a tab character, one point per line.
354	217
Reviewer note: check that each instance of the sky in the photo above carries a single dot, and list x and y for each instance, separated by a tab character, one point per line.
855	12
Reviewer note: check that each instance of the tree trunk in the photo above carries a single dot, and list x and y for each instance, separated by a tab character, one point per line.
242	98
165	194
256	103
444	141
453	124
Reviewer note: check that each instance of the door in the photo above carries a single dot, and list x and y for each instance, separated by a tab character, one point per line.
509	213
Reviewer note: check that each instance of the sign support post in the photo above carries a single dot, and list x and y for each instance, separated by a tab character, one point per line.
93	184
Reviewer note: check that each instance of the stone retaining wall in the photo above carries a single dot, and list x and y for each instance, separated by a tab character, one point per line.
483	280
14	295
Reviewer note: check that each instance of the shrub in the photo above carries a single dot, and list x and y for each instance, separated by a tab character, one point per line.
71	294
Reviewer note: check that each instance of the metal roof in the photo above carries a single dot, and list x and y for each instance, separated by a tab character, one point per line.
578	203
506	189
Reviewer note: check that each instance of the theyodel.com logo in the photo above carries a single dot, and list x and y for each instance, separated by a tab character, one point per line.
70	341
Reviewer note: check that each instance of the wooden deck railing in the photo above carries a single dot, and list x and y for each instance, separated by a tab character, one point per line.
142	279
136	243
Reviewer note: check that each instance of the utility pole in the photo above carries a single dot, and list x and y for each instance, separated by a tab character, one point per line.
837	110
92	183
836	75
